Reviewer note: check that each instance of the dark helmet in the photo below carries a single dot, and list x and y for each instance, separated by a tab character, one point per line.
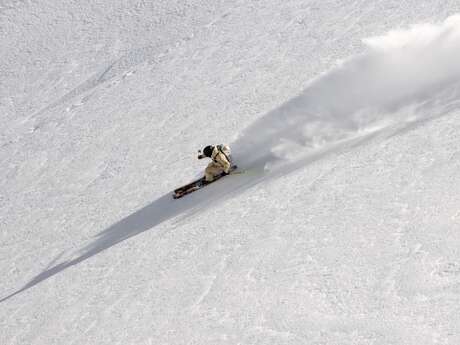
207	151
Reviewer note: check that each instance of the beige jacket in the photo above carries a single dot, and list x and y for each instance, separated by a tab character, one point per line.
220	163
221	159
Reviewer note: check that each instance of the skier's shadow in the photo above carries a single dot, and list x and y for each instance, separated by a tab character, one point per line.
159	211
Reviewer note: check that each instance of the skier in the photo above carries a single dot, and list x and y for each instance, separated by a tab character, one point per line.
221	161
221	165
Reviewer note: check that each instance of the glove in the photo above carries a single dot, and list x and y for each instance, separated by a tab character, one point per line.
201	156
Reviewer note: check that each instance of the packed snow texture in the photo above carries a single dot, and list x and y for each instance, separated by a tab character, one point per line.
342	228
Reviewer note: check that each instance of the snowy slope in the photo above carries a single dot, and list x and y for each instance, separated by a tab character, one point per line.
344	230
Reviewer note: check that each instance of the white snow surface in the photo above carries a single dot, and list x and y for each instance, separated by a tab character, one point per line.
343	228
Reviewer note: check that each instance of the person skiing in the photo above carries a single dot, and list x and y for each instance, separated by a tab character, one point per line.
221	161
221	165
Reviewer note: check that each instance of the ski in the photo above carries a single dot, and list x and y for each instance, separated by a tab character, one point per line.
197	184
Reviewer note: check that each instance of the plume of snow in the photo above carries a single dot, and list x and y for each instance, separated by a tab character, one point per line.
398	78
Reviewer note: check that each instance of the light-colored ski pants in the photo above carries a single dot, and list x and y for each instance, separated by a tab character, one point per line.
213	169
